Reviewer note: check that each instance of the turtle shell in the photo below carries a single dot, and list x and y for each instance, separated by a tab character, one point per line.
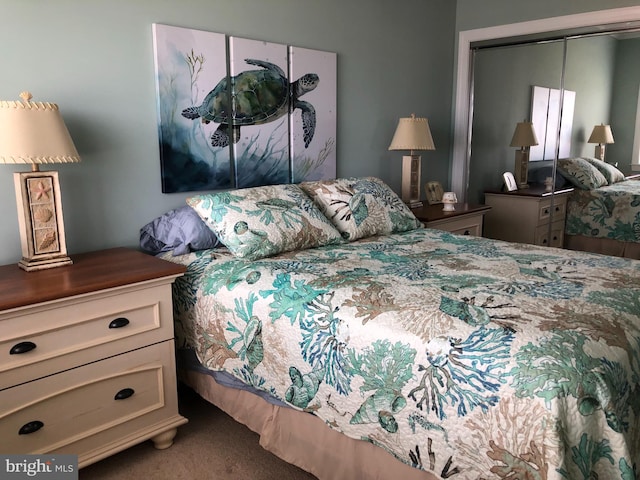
258	96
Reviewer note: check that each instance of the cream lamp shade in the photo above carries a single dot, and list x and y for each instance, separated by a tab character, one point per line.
34	133
524	136
412	133
602	135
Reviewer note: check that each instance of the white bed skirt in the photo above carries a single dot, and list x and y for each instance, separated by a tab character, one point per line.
604	246
303	439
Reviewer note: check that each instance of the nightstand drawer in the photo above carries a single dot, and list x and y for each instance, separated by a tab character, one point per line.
545	208
555	238
469	225
70	407
57	337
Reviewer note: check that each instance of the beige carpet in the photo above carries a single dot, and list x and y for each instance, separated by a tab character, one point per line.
211	446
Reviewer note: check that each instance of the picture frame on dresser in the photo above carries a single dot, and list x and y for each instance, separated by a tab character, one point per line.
434	192
510	184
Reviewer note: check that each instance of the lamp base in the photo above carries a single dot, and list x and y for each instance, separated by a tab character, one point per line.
33	265
599	152
521	172
411	180
40	220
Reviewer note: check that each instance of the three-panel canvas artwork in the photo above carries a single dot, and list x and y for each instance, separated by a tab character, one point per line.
236	113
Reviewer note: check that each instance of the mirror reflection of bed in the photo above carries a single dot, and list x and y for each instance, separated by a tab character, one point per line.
602	73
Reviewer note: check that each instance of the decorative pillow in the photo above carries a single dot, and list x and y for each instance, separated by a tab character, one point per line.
180	230
611	173
260	222
581	173
361	207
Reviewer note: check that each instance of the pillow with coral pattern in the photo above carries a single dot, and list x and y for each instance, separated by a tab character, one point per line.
260	222
361	207
610	172
581	173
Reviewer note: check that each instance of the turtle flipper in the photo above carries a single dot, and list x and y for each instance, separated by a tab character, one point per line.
220	138
308	121
191	113
265	64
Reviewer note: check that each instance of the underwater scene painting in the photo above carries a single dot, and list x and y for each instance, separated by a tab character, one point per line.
263	114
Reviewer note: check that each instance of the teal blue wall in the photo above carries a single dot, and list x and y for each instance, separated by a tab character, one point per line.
94	58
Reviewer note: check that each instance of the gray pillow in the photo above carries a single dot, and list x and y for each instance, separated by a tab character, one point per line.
180	230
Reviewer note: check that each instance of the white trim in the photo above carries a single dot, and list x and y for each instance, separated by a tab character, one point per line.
461	128
635	157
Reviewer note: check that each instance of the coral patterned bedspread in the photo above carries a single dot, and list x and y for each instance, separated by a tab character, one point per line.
465	356
612	211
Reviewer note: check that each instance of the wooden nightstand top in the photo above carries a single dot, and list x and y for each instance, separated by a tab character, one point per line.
531	192
431	213
90	272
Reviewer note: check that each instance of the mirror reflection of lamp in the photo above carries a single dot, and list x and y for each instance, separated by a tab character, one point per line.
524	137
601	135
412	134
34	133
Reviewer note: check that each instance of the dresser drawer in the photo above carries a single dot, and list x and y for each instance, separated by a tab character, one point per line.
77	410
78	330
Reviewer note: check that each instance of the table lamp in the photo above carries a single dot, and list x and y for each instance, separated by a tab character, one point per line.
34	133
412	134
601	135
524	136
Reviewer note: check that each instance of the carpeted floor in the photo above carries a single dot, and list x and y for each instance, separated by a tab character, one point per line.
211	446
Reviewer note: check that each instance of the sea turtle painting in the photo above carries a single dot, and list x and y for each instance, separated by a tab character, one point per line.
258	97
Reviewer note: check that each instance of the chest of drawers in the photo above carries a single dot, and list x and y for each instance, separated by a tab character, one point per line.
527	216
87	361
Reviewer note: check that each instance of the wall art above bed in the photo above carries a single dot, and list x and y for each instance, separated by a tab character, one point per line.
236	113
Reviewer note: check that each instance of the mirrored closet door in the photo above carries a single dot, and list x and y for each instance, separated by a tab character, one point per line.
565	86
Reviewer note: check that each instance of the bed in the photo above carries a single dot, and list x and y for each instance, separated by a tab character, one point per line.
603	212
360	345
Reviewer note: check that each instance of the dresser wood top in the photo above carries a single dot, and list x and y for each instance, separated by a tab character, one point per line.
90	272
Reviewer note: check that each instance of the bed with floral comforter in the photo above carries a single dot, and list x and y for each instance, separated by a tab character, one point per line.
610	211
469	357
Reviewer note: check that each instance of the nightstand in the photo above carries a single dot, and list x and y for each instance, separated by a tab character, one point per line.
530	215
466	219
87	360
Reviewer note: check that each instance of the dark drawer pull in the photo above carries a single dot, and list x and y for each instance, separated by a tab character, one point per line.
557	209
467	232
124	393
119	322
22	347
30	427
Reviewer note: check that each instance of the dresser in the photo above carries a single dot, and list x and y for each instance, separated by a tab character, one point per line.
466	219
529	215
87	360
